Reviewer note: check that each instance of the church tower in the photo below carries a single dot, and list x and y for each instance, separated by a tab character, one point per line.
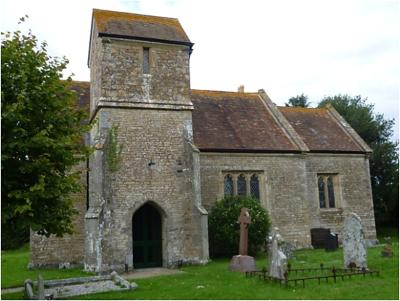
144	206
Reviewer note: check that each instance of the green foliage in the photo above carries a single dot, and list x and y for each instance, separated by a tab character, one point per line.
113	150
41	139
384	162
298	101
223	229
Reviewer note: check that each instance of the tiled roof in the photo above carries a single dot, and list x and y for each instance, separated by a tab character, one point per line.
82	90
234	121
319	130
240	122
141	26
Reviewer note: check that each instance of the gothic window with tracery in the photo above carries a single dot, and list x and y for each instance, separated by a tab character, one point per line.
255	187
331	193
228	185
321	192
241	185
326	191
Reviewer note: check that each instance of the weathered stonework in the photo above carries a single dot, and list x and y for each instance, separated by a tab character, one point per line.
67	250
354	247
353	193
153	114
162	163
283	187
168	186
289	189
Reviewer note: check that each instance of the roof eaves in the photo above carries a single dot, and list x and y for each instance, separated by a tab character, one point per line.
137	38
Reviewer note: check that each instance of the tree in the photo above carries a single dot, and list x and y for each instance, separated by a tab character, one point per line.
376	132
42	131
224	230
298	101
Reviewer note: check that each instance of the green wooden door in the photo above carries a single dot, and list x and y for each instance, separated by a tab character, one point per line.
146	234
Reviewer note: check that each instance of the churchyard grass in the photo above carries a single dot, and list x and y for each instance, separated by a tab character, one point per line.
14	269
214	281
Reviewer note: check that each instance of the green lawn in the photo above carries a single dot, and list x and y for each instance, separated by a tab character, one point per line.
14	269
214	281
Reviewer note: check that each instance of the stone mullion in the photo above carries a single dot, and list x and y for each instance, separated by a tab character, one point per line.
247	177
234	178
326	191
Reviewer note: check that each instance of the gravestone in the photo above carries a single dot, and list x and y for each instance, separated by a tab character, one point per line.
277	259
41	287
354	248
387	249
318	237
128	262
331	242
243	262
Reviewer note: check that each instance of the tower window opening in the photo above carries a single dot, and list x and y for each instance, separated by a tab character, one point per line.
146	60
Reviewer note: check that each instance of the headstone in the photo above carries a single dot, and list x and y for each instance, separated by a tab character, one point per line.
243	262
331	242
387	249
318	237
40	288
288	249
64	265
277	259
354	248
128	262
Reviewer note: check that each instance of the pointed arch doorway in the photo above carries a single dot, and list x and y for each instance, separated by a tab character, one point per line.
146	237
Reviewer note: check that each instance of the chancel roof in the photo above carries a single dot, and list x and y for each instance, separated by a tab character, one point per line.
242	122
130	25
319	130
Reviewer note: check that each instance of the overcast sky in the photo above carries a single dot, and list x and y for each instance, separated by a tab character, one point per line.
318	48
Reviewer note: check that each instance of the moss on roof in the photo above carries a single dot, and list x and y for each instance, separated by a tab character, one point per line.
105	21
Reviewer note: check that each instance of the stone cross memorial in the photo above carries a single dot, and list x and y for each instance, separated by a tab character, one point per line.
354	248
243	262
244	221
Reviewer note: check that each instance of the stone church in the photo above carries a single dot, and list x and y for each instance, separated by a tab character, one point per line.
165	153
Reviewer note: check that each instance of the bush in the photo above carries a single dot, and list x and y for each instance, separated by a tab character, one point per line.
12	236
224	231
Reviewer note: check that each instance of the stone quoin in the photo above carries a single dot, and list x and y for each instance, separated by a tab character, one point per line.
180	150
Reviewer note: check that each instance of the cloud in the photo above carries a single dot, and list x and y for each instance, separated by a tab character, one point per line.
286	47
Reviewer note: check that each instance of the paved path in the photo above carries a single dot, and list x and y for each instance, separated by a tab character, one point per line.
150	272
137	274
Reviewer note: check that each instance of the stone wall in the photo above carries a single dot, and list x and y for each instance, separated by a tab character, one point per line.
117	74
68	249
283	187
167	185
353	193
289	189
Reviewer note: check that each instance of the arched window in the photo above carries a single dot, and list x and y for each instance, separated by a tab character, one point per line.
254	187
321	192
241	185
331	193
228	186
